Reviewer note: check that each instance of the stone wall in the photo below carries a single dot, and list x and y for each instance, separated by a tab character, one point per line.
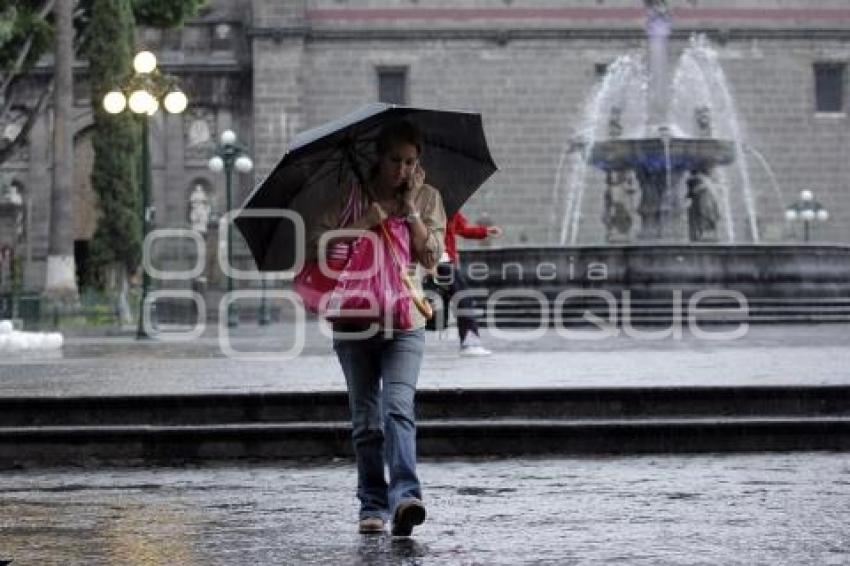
271	68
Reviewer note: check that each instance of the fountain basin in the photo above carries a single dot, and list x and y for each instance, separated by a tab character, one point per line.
758	271
650	154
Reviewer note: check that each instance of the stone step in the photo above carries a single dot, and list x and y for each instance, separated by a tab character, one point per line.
532	321
665	307
634	312
453	404
518	300
642	309
145	445
519	314
522	311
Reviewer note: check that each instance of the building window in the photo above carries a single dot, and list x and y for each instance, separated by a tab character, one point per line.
172	39
197	38
392	85
601	69
222	37
829	87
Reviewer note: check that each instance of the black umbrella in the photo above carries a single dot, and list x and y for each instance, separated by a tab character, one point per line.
455	158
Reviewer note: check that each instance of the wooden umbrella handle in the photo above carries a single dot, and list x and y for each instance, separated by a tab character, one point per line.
422	305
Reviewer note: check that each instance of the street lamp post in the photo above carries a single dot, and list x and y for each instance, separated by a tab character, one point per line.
142	93
806	210
229	155
264	318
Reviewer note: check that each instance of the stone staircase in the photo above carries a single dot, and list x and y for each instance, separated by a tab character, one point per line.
547	311
147	430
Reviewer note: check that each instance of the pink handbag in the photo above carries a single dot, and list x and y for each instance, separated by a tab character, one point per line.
370	287
369	281
311	284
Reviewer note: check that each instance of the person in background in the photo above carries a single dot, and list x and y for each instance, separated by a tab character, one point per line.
449	280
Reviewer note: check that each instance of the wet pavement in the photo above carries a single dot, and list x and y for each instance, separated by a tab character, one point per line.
708	509
705	509
765	355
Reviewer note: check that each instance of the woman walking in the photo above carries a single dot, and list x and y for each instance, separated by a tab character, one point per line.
382	369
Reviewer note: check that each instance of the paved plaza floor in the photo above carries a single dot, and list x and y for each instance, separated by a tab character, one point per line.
765	355
789	509
778	508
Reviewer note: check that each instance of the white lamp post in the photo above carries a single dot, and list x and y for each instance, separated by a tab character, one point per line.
229	155
807	210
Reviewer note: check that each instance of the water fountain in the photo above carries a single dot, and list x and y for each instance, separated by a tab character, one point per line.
674	158
668	133
659	159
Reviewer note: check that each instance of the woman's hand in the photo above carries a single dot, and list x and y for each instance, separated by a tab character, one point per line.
374	215
494	231
414	183
418	177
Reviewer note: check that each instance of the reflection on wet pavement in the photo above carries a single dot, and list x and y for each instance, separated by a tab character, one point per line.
718	509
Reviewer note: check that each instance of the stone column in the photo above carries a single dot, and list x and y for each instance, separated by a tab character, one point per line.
657	31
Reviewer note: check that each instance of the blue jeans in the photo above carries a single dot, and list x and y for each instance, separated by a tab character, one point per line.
381	375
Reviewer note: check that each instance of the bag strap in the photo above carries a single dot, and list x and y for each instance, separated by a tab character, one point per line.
393	251
353	208
423	306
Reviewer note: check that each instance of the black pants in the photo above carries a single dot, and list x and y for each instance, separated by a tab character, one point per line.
448	282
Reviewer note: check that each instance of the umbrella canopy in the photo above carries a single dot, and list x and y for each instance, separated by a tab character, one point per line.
312	172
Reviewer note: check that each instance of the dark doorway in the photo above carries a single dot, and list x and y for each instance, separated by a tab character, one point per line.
81	261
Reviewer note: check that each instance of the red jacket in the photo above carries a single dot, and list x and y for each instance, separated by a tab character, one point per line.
458	225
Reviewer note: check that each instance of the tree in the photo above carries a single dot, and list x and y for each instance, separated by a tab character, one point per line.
104	33
26	35
165	13
115	249
61	274
115	141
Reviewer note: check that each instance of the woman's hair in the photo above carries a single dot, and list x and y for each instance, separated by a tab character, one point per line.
398	132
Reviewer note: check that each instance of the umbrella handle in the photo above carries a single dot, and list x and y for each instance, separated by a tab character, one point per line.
422	305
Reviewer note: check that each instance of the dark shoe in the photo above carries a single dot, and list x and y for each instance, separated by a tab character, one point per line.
371	525
408	514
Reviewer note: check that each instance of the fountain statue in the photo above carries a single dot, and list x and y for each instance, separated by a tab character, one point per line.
619	206
703	212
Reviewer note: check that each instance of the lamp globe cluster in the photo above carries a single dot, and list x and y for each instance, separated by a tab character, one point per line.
140	99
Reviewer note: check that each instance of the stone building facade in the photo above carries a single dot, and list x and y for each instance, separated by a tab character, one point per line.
270	68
